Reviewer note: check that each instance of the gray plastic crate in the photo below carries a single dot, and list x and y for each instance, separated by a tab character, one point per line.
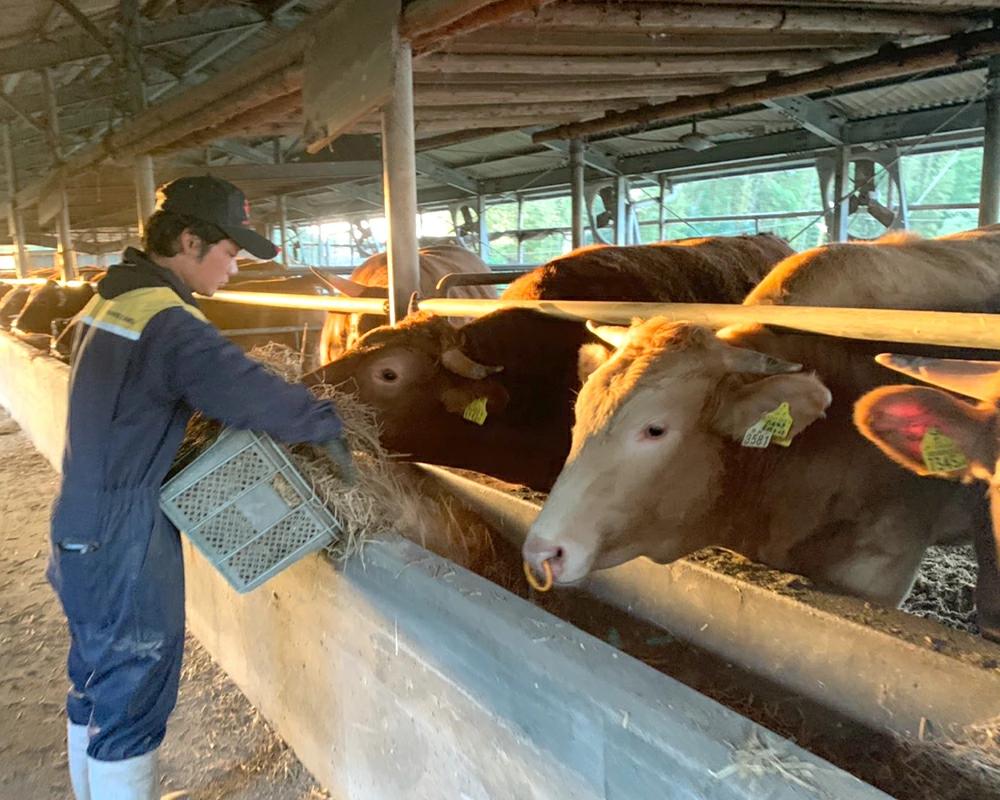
246	507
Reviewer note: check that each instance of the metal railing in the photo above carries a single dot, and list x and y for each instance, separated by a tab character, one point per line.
946	328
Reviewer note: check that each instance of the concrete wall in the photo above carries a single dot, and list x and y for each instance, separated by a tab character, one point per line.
404	676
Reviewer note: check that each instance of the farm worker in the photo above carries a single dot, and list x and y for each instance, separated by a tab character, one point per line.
145	358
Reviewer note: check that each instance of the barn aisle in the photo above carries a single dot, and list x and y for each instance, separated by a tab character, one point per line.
217	745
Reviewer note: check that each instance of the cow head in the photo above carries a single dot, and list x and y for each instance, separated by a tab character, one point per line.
342	331
654	422
931	432
420	382
51	301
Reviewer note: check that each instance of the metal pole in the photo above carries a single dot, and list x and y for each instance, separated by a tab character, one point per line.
282	209
399	173
67	256
841	195
484	229
661	217
621	204
145	190
989	192
283	228
131	62
520	224
577	201
15	223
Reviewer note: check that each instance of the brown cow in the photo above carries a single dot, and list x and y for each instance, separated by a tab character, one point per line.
674	443
12	304
371	279
496	395
47	303
239	322
930	432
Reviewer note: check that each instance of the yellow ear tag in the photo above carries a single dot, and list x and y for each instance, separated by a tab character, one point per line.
774	426
476	411
940	453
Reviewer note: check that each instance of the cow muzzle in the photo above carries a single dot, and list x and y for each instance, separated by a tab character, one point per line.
567	561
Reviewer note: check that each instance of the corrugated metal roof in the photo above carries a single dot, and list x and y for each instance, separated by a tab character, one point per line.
625	60
910	95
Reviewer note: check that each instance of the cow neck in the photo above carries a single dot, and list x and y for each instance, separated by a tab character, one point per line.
523	342
754	480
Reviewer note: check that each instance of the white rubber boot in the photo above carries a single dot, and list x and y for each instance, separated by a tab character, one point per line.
131	779
76	753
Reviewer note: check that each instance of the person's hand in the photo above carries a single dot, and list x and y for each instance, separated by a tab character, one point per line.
340	454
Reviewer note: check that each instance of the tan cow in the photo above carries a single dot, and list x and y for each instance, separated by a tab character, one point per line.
676	440
931	432
371	279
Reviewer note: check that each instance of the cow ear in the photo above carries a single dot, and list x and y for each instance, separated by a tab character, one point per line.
589	359
908	423
743	406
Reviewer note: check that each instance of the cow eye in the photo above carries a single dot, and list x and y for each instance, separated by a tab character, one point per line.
388	375
653	431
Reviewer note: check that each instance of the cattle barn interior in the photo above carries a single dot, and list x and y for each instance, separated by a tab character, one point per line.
519	130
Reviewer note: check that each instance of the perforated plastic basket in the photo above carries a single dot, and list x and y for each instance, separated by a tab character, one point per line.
247	508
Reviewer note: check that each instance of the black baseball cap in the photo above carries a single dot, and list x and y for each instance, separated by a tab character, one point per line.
218	202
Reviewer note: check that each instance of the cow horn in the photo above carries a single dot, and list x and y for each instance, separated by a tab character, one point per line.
976	379
739	359
459	363
345	285
615	335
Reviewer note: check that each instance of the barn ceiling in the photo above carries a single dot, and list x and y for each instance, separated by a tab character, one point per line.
488	85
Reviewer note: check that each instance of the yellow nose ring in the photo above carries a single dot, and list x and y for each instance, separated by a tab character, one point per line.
534	582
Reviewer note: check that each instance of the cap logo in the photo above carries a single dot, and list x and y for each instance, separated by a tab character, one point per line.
246	212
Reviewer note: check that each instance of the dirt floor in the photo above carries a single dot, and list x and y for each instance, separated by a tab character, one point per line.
217	745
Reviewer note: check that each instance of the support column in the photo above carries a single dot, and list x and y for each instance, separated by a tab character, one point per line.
577	201
661	215
484	229
145	190
131	64
67	256
399	177
282	209
841	195
989	191
621	210
15	222
283	228
520	224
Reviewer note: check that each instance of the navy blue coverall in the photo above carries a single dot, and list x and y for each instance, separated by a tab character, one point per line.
145	360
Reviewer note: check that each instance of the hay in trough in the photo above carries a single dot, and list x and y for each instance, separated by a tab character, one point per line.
389	496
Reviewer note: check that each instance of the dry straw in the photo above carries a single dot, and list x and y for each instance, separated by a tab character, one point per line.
389	496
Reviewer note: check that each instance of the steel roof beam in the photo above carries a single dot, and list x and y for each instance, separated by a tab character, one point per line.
442	173
20	113
37	55
813	115
84	22
726	156
592	157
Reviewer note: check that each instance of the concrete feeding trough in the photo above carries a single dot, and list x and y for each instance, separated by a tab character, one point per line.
402	675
